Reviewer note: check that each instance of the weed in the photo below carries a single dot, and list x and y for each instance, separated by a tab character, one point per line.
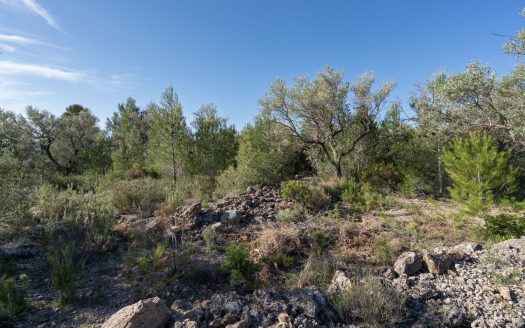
13	298
238	263
369	300
63	272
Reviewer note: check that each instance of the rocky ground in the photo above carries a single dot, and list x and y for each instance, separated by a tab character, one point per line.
469	285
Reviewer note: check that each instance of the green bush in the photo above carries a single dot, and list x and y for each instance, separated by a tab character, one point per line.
238	263
13	298
504	226
304	194
140	196
478	171
320	242
64	270
359	197
369	300
282	260
209	235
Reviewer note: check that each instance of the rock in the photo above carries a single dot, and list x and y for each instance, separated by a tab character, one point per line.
468	248
511	251
135	225
453	318
507	294
439	260
314	304
408	263
19	252
238	324
340	282
231	217
149	313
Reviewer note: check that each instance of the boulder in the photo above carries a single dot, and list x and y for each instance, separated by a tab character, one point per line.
439	260
231	216
149	313
408	263
339	283
511	251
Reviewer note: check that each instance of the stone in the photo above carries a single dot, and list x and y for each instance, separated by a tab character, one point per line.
511	251
438	261
408	263
149	313
340	282
231	217
507	294
453	318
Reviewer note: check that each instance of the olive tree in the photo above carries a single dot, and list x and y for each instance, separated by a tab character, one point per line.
327	112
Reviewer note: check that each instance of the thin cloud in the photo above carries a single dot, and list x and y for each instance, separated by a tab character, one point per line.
12	68
6	48
18	39
35	8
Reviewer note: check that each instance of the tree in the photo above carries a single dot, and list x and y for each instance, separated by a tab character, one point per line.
267	155
516	44
169	135
66	140
433	117
128	128
478	171
214	142
319	114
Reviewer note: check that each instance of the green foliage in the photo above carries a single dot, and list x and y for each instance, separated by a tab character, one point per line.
360	197
237	262
282	260
504	226
214	143
154	261
266	156
369	300
386	249
64	268
320	242
293	214
305	194
13	297
209	235
168	136
478	171
141	196
319	114
129	132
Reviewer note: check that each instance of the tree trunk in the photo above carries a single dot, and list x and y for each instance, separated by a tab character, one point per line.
440	170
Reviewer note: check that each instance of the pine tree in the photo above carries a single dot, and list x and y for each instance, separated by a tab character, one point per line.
478	171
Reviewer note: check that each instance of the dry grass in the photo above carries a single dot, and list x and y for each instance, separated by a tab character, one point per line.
369	300
272	240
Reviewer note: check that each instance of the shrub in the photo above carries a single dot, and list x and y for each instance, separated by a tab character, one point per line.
209	235
478	170
91	211
282	260
293	214
318	271
320	242
140	196
504	226
238	263
360	198
13	298
64	271
304	194
386	249
369	300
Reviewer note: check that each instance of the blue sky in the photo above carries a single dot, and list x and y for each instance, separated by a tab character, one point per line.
99	52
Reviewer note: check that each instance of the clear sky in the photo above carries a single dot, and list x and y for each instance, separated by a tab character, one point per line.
227	52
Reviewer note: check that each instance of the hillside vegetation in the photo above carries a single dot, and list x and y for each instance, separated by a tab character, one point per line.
336	206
